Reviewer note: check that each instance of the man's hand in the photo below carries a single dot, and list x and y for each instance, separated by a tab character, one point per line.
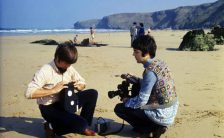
79	86
130	78
58	87
124	100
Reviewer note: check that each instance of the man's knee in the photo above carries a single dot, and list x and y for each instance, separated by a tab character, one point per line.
119	108
93	93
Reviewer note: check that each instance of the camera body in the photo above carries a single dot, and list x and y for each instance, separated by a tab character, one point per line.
69	99
130	84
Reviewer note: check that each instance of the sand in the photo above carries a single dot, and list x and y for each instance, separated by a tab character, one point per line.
199	78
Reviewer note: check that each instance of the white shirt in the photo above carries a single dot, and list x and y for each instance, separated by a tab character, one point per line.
47	77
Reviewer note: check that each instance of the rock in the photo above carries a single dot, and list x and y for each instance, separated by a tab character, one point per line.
218	33
46	42
85	42
197	40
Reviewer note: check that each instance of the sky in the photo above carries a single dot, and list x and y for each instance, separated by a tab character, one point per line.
60	14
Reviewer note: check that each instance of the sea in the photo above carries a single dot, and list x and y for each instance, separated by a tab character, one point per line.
15	32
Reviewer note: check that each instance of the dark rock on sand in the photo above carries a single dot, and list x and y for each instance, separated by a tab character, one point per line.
86	43
197	40
46	42
218	33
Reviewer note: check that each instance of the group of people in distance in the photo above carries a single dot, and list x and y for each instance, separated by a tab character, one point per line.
152	110
137	30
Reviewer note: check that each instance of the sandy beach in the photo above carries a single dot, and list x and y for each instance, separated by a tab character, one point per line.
199	78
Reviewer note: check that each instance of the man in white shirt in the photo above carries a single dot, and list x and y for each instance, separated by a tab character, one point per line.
47	86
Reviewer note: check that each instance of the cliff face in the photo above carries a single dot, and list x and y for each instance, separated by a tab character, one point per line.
188	17
86	24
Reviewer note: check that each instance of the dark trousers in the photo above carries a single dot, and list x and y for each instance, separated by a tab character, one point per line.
136	118
64	122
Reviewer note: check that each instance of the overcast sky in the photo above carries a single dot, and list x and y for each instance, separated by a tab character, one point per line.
48	14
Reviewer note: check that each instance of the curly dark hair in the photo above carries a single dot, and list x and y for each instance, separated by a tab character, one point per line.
146	44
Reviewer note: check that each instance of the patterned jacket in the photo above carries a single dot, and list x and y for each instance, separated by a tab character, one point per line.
163	93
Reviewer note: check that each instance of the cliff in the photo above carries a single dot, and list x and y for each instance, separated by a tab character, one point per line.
187	17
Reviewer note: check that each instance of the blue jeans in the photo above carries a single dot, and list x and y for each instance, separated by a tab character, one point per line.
64	122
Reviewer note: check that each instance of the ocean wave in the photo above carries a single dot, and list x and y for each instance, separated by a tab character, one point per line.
52	31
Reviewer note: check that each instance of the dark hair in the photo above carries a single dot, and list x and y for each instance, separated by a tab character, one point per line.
146	44
66	52
141	24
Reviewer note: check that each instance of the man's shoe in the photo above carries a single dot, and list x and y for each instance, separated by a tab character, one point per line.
49	133
89	132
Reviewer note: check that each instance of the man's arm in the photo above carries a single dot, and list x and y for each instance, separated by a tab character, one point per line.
146	87
46	92
40	86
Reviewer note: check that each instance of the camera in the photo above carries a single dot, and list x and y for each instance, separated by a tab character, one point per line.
129	85
69	99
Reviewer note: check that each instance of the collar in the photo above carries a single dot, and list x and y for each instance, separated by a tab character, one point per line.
52	63
148	62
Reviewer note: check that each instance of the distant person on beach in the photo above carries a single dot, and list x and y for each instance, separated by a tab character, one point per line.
141	30
47	86
156	104
75	39
133	32
92	34
149	31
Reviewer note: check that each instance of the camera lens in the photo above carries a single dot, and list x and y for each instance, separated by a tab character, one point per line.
112	94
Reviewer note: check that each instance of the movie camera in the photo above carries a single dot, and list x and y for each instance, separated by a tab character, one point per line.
129	84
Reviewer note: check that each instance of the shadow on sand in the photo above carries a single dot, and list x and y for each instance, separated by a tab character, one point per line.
34	127
24	125
176	49
172	49
121	46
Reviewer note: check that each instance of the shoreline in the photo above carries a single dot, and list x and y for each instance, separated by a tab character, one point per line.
25	32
